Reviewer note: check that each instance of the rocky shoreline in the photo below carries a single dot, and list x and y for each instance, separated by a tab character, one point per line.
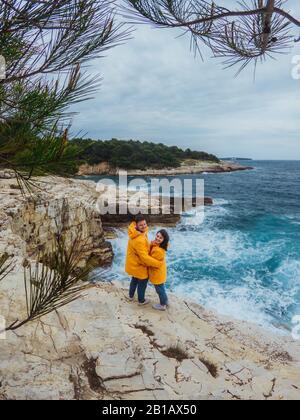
104	347
187	168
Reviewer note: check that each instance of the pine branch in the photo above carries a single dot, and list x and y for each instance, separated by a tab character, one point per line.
54	280
6	266
45	45
258	29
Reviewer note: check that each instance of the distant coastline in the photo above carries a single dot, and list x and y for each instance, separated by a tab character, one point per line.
187	167
237	159
110	157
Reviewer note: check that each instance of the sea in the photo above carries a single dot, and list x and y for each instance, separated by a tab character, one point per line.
243	259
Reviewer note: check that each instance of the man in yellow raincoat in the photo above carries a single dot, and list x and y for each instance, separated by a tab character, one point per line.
138	259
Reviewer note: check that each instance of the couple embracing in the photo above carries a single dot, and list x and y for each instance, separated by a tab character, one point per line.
147	261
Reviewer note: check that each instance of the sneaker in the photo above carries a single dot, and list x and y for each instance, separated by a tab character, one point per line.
159	307
146	302
130	299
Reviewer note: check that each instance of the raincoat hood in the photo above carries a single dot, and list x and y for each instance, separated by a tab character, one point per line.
133	233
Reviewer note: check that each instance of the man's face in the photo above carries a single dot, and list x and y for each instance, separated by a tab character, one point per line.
142	226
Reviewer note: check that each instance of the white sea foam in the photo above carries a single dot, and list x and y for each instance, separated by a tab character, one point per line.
247	298
225	270
236	302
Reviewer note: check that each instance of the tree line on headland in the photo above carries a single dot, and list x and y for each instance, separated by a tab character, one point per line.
136	154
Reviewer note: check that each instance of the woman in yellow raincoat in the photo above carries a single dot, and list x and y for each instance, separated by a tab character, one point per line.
158	275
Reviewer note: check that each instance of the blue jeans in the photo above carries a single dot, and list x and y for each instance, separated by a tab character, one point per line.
141	286
163	297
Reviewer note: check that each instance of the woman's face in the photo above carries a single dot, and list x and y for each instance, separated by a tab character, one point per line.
159	238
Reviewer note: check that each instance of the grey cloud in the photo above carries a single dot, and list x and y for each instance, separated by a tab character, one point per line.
154	89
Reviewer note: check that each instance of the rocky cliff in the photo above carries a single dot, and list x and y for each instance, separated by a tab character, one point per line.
104	347
187	167
28	224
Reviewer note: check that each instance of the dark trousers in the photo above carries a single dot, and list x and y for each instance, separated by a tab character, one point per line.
141	286
161	291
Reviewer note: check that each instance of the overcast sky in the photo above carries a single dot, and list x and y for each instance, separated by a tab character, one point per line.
154	89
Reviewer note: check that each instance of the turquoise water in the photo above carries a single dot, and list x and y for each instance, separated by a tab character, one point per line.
244	260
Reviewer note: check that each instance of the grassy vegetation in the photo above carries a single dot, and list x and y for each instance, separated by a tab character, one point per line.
175	352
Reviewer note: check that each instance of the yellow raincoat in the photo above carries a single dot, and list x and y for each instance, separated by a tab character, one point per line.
158	276
138	259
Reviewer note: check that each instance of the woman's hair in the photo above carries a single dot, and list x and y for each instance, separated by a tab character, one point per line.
165	244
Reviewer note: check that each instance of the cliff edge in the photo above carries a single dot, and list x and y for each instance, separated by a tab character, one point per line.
187	167
104	347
